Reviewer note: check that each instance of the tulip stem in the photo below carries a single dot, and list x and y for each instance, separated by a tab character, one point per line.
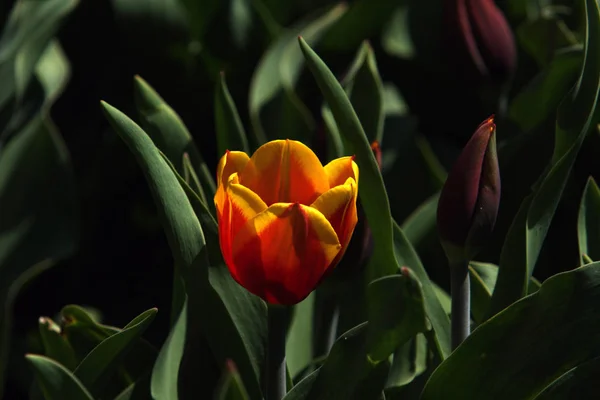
461	302
276	373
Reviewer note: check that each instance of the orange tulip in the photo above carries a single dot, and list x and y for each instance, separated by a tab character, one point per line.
284	219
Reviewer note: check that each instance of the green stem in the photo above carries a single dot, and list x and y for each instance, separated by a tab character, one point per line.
461	302
276	373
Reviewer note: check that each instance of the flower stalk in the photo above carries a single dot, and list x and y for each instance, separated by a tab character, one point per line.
276	368
466	214
460	292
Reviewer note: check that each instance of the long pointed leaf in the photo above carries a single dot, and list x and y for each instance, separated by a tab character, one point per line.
237	319
588	224
561	316
169	133
164	383
371	188
230	131
532	222
407	256
278	71
56	382
94	369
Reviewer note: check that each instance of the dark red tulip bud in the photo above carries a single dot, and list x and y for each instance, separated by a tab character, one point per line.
479	40
470	198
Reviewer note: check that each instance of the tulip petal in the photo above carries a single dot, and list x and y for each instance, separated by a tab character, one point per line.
285	171
338	205
458	199
488	201
341	169
231	162
282	254
495	39
241	205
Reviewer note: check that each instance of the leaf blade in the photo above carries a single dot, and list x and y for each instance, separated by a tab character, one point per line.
56	381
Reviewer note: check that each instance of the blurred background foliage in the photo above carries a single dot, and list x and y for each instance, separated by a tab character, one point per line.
77	222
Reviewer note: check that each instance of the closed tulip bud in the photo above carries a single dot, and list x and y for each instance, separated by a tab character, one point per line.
284	219
470	198
479	39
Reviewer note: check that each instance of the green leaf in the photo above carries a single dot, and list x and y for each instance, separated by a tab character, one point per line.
37	219
335	143
363	19
347	372
396	313
443	297
96	367
231	387
366	93
238	319
365	90
276	75
29	29
241	331
240	21
184	234
588	224
299	344
164	383
207	220
138	390
422	222
190	177
230	131
410	361
511	285
56	346
496	360
528	231
396	38
169	133
433	165
530	9
578	383
302	389
55	381
371	188
86	335
539	99
543	36
483	279
433	307
82	331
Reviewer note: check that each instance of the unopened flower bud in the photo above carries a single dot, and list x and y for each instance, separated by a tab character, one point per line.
470	198
479	40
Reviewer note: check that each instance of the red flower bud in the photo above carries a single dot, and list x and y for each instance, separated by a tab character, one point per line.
479	39
470	198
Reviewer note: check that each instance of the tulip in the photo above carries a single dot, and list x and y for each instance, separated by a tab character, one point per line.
479	39
466	215
470	198
284	219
